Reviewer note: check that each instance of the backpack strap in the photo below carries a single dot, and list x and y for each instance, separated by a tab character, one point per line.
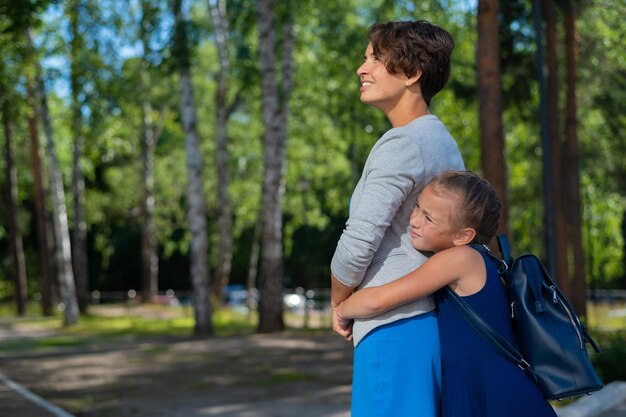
502	265
484	330
534	284
505	249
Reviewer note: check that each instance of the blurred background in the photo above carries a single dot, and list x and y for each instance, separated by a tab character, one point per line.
199	156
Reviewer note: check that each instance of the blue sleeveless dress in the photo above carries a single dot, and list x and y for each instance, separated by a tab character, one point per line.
477	380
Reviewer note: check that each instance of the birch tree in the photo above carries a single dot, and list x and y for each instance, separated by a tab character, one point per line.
275	110
217	9
63	248
79	230
196	211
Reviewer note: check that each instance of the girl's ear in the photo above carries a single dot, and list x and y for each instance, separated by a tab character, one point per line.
464	236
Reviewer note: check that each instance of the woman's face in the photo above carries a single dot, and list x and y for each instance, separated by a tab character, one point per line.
379	87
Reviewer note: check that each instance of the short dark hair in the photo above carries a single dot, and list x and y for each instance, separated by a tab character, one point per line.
410	46
479	207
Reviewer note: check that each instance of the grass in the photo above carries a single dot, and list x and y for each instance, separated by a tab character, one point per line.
283	377
606	317
607	323
114	322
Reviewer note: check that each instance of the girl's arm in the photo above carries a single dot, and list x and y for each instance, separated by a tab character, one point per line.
447	267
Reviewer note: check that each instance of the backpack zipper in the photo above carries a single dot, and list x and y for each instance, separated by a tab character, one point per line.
555	299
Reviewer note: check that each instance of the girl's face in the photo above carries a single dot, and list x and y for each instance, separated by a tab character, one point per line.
432	221
379	87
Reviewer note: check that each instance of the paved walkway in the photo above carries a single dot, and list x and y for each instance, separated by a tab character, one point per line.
618	411
610	401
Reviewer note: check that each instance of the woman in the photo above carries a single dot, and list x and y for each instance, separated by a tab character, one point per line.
405	65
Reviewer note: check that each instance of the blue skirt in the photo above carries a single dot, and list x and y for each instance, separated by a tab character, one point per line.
397	370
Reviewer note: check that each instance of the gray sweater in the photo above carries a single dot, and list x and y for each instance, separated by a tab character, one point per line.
375	246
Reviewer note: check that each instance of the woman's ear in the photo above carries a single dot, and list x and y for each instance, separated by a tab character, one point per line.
414	79
464	236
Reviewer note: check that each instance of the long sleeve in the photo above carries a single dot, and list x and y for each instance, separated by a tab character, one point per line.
388	179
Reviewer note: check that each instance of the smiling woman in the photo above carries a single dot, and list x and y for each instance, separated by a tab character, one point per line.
405	65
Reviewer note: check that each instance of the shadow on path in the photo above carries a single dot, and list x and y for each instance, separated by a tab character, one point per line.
291	374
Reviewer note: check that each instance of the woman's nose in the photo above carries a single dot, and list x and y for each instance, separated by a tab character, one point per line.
362	70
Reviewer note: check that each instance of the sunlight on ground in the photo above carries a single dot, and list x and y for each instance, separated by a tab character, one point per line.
142	320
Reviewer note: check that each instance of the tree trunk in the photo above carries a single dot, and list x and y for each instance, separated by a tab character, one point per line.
222	156
63	248
10	200
574	211
251	285
623	280
39	197
149	256
274	141
560	270
196	204
548	221
490	103
79	231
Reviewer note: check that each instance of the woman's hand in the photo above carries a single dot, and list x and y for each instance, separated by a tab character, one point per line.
341	326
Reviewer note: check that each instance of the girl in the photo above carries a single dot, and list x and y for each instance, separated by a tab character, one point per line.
453	210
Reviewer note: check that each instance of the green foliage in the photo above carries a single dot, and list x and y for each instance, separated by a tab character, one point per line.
603	235
610	362
17	15
330	132
607	322
602	78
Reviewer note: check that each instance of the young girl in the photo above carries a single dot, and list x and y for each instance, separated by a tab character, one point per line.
453	210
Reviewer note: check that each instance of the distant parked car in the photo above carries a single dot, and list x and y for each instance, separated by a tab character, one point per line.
235	295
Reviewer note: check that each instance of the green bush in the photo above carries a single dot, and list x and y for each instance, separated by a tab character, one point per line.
610	363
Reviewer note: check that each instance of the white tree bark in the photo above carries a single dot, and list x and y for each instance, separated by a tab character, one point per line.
222	155
63	249
195	198
79	231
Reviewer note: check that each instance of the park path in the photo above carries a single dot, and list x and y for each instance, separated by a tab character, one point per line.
16	401
290	374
